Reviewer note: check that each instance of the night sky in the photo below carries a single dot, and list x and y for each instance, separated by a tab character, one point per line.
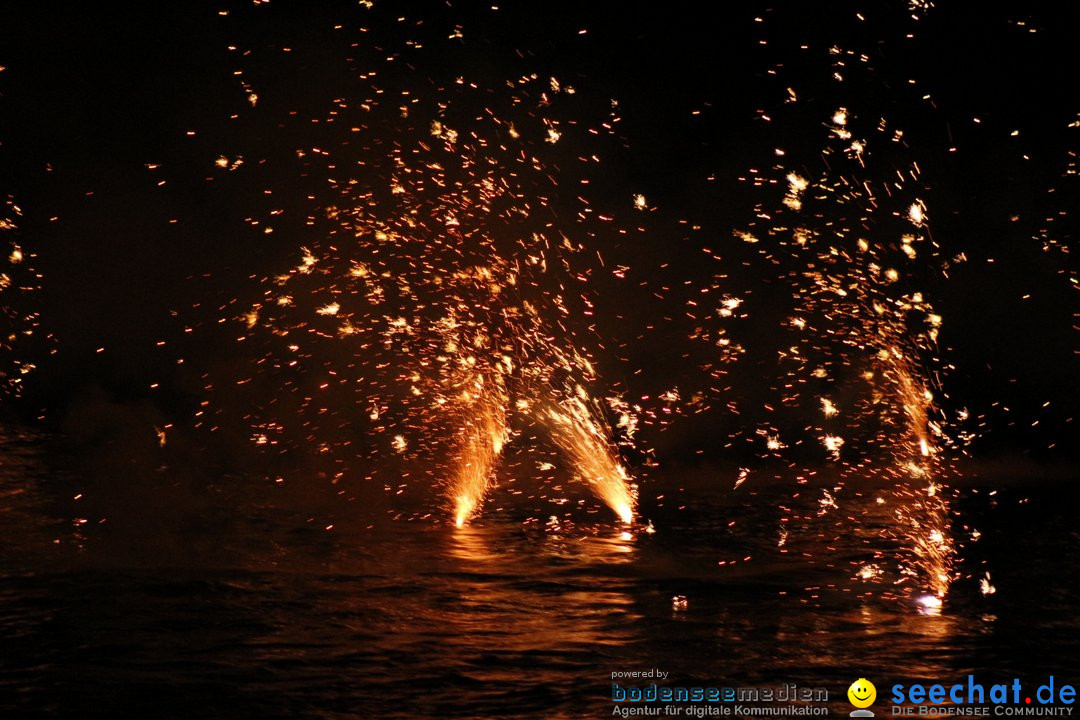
93	94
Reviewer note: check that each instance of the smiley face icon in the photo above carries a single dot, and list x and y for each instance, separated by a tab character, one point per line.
862	693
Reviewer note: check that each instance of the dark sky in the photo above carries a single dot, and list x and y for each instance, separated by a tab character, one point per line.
91	94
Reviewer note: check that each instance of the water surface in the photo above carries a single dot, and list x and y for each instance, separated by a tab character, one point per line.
242	606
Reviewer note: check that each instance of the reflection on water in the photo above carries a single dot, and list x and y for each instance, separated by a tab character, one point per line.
272	615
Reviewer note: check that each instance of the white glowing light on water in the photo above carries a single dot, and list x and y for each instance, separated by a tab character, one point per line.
929	604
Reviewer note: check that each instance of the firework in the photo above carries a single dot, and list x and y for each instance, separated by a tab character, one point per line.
437	289
18	281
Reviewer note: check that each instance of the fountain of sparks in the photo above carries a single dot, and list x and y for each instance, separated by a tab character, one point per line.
433	296
480	443
576	428
864	349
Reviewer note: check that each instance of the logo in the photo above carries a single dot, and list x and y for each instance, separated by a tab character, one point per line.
862	694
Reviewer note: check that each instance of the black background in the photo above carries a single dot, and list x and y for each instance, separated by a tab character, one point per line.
93	93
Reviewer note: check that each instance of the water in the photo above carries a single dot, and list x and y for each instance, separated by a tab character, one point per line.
240	605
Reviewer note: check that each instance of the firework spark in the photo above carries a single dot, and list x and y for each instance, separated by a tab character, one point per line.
18	282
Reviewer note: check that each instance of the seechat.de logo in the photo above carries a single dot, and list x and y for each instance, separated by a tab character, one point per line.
862	695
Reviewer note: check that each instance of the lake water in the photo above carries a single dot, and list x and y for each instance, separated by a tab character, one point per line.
243	605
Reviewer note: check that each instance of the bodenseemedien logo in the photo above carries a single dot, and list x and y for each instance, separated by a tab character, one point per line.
862	694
